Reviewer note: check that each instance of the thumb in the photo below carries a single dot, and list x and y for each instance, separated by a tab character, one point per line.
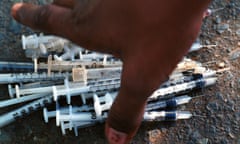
116	137
47	18
126	113
124	119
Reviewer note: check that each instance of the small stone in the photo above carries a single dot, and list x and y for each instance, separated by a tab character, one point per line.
35	138
203	141
228	50
239	81
229	76
180	137
231	135
195	136
212	106
238	32
224	141
218	20
153	135
189	130
221	65
164	130
237	25
237	114
220	116
228	129
220	96
235	55
232	84
222	27
207	42
212	130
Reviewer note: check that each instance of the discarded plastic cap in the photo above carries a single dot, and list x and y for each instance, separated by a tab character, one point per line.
210	81
183	99
209	73
183	115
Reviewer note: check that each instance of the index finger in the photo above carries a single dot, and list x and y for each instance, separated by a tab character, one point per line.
47	18
65	3
87	31
55	20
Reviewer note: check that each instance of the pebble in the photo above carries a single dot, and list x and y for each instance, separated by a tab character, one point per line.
239	81
229	75
231	135
207	42
153	135
235	55
189	130
203	141
232	84
224	141
222	27
195	135
221	65
228	129
238	25
220	116
218	20
220	96
212	130
164	130
228	50
237	114
212	107
238	32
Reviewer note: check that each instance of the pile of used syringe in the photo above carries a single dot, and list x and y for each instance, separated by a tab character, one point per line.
72	72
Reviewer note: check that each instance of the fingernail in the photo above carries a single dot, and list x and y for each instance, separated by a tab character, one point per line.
15	11
116	137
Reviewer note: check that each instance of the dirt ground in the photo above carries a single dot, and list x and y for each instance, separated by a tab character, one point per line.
216	114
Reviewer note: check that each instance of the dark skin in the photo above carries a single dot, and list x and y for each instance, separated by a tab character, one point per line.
150	37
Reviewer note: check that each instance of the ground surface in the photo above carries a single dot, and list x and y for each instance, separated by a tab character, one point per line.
217	113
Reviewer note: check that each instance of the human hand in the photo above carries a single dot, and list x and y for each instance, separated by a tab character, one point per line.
150	37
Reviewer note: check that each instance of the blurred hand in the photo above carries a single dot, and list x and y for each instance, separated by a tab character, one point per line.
150	37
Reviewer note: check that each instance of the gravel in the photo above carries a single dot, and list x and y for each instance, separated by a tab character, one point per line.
216	114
